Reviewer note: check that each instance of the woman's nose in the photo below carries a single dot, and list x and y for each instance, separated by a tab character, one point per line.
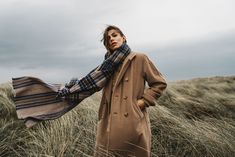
111	40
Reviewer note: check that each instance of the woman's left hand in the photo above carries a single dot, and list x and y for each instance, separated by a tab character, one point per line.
62	92
141	104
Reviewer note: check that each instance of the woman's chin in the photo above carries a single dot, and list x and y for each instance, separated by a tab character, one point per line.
115	48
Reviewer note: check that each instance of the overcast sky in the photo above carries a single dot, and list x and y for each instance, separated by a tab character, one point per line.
59	39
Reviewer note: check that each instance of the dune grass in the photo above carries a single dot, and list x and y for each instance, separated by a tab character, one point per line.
194	118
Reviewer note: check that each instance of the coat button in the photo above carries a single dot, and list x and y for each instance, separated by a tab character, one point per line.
114	112
126	114
125	97
126	79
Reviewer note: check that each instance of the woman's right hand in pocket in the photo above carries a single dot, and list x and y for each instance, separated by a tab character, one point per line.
141	104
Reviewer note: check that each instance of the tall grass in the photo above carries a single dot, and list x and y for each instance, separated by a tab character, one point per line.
193	118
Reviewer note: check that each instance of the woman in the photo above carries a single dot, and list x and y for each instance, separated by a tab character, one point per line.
123	121
123	127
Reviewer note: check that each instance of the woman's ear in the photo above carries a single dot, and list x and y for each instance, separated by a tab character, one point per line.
124	38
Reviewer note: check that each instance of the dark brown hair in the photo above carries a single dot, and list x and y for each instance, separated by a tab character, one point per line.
105	35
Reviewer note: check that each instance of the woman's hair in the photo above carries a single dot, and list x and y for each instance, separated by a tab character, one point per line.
105	35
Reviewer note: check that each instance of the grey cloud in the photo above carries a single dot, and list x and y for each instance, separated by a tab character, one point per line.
34	36
207	57
62	37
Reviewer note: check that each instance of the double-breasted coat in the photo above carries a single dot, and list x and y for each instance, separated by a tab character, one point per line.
123	128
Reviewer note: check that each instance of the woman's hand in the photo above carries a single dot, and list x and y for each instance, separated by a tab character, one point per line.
62	92
72	82
141	104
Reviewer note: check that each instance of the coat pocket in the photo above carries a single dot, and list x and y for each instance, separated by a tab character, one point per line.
137	109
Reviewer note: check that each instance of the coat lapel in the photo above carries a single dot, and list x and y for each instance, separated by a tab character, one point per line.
124	67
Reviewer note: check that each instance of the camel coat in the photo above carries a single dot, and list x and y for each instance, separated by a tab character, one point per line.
123	128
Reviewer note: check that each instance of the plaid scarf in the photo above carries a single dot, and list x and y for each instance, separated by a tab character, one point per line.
97	78
36	100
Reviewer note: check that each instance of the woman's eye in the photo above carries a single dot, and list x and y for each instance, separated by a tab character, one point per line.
114	35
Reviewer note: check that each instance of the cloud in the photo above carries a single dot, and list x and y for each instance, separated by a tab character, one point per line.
212	56
62	36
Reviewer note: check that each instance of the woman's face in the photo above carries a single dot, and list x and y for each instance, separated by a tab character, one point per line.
115	39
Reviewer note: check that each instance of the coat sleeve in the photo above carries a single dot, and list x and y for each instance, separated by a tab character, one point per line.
156	82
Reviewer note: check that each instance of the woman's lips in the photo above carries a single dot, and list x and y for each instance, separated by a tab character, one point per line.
114	44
